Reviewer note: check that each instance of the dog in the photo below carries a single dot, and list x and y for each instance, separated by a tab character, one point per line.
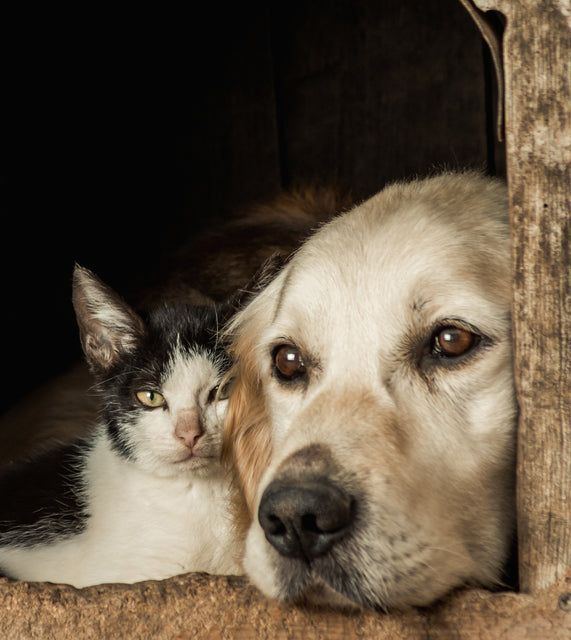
372	422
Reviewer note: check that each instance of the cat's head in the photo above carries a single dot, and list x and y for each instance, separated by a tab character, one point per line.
158	376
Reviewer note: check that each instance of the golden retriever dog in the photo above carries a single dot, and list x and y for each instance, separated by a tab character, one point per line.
372	422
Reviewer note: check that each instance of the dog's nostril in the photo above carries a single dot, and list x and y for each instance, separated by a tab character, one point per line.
275	526
309	523
304	519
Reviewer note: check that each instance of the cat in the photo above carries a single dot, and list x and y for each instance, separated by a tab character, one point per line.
144	496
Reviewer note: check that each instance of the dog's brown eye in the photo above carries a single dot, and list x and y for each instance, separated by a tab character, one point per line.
288	362
453	342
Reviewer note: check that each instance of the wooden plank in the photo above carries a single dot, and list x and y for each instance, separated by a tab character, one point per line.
372	91
537	64
228	142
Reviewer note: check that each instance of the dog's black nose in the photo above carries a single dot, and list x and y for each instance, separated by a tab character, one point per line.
305	518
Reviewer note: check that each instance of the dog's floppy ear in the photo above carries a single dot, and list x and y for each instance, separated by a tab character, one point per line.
247	446
247	440
108	327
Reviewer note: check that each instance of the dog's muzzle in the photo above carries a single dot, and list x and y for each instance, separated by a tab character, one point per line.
306	517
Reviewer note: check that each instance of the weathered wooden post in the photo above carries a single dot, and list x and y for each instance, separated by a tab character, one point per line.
537	71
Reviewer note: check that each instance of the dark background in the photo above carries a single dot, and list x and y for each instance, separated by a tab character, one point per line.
125	133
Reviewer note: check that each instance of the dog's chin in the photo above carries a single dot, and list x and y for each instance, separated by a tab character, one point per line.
294	580
349	579
311	587
306	586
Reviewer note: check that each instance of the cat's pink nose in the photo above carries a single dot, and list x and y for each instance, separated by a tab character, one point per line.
188	428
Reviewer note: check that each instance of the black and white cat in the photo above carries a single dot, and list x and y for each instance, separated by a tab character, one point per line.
145	496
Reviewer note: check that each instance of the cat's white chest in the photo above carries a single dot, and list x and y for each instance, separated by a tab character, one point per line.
140	527
156	527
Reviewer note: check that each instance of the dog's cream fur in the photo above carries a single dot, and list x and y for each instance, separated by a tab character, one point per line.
423	445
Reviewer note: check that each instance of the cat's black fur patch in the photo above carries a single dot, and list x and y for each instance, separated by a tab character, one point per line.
41	498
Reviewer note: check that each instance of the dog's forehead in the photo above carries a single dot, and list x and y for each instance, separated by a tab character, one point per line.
379	266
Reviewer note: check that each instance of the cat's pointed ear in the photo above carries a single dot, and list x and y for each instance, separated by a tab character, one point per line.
108	327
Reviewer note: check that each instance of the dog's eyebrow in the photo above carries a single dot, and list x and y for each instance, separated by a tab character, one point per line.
418	304
285	287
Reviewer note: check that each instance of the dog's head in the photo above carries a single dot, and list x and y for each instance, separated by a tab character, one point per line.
372	422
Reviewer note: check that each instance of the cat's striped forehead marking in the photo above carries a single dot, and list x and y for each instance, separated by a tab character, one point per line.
189	374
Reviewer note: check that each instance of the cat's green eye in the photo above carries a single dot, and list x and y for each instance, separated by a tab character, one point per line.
224	391
220	392
151	399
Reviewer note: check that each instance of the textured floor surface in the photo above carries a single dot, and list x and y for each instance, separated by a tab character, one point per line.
212	607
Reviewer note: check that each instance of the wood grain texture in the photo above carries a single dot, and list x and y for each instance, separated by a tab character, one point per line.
537	58
368	92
